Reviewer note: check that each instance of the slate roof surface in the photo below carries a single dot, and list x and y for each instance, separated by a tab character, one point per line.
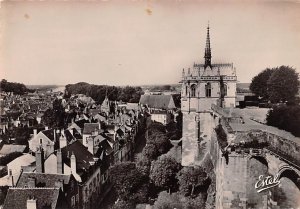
81	123
42	179
157	101
10	148
45	198
90	127
83	156
132	106
50	134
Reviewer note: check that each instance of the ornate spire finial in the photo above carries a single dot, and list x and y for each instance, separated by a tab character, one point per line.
207	55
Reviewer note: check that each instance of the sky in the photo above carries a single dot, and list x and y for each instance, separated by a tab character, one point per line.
128	42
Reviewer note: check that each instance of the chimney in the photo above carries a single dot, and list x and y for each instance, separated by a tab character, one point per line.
34	132
10	176
62	140
31	182
54	135
31	204
90	144
46	128
59	162
39	157
73	163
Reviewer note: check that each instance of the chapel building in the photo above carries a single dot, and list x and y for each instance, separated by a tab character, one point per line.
208	83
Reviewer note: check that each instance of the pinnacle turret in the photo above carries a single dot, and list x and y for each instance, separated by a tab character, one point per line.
207	55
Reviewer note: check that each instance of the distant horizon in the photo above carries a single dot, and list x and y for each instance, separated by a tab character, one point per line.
106	84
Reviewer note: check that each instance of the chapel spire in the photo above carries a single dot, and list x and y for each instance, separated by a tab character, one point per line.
207	55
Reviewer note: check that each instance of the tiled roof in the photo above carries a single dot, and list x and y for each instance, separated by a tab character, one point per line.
45	198
50	134
83	156
158	101
42	179
10	148
81	123
90	127
132	106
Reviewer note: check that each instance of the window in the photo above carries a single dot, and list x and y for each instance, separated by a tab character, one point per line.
225	90
208	90
186	90
193	89
73	201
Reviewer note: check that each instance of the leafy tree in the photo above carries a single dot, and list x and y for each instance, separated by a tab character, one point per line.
283	84
98	92
259	83
195	203
163	172
123	205
129	182
22	135
55	117
192	180
150	152
156	128
16	88
168	201
286	118
175	200
161	142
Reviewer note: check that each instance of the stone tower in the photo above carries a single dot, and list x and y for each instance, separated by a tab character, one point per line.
204	85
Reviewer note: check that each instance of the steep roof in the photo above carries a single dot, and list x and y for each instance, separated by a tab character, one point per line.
45	198
80	123
42	179
90	127
23	160
158	101
83	156
132	106
10	148
50	134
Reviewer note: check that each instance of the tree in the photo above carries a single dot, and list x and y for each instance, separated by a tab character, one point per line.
16	88
55	117
150	152
283	84
163	172
161	142
129	182
123	205
192	180
168	201
286	118
259	83
176	200
22	135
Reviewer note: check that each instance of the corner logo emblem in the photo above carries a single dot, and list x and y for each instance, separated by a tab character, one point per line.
267	182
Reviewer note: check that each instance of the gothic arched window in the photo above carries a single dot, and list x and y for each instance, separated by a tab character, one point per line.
193	90
208	90
225	89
